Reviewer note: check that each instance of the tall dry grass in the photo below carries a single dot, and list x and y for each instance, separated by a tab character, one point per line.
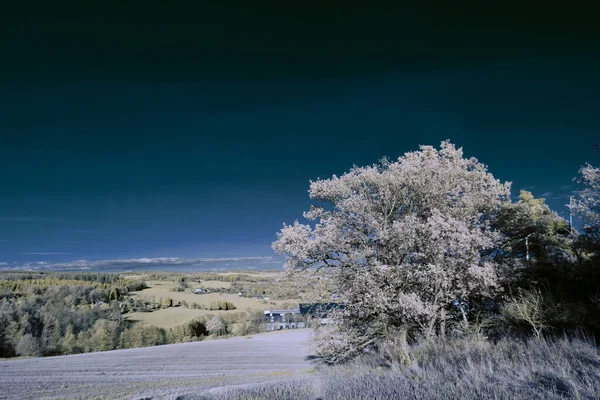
544	369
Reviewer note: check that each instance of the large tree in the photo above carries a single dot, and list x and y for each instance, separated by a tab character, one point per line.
402	241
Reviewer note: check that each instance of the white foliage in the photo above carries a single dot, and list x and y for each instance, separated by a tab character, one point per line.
588	204
403	239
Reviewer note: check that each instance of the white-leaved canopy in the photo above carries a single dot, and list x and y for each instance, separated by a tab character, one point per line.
587	205
401	241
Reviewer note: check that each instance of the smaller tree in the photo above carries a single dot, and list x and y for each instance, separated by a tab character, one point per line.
51	335
196	328
531	218
216	326
69	342
537	244
105	335
29	346
587	208
529	307
142	336
587	204
166	302
251	323
114	294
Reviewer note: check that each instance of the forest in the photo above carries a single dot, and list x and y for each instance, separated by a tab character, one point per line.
56	313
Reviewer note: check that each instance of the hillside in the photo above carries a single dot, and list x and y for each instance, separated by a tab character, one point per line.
158	372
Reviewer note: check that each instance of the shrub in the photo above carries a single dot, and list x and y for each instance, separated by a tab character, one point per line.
221	305
142	336
529	307
251	322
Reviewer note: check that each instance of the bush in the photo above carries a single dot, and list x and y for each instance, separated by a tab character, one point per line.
530	307
142	336
216	326
191	331
221	305
251	322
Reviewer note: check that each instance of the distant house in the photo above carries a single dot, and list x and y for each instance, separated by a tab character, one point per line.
283	319
198	290
320	311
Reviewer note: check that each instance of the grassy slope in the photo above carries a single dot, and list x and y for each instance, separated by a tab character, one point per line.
159	372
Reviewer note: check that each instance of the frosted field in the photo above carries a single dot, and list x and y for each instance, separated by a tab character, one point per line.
159	372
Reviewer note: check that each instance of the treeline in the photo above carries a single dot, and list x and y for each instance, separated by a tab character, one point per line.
41	314
234	324
207	276
99	277
108	335
37	320
41	319
250	285
274	289
19	283
212	306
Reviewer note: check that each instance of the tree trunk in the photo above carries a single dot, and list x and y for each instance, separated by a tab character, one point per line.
464	315
403	343
443	324
430	333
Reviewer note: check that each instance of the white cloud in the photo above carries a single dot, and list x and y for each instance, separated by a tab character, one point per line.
145	263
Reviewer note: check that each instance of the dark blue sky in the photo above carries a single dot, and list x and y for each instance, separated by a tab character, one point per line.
194	132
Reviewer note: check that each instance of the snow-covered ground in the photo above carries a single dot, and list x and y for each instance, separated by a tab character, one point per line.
159	372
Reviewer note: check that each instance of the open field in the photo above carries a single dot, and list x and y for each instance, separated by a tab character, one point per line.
168	317
159	372
173	316
212	284
166	285
240	302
